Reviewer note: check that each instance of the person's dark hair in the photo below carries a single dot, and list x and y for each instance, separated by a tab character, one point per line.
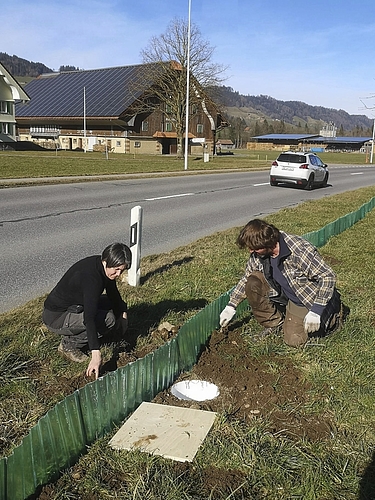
258	234
117	254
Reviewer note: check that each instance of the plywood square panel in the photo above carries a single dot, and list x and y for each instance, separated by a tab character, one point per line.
169	431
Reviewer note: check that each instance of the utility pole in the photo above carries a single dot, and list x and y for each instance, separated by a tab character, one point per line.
187	92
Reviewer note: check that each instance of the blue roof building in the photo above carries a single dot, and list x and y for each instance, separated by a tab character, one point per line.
313	140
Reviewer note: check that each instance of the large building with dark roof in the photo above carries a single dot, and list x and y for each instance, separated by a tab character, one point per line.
314	142
99	109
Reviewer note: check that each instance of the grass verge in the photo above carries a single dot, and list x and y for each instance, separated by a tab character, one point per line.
31	164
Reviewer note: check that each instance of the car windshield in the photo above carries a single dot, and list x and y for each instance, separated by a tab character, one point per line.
292	158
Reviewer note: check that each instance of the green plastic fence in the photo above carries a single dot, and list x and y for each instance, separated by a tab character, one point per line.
320	237
62	435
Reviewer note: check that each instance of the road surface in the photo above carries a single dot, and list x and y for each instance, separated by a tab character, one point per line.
46	228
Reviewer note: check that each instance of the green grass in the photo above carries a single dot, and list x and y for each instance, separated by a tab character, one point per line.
67	163
252	462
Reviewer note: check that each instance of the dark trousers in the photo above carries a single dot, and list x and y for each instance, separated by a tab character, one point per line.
71	325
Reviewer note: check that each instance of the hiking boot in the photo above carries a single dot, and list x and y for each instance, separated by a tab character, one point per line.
72	353
266	332
338	320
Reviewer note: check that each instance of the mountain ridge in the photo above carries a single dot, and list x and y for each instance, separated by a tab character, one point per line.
297	114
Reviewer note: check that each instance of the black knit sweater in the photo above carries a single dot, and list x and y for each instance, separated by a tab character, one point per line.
83	285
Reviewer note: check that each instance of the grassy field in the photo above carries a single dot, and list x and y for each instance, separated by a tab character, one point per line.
339	369
67	163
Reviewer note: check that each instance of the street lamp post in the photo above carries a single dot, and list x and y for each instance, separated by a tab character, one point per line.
187	92
84	118
372	142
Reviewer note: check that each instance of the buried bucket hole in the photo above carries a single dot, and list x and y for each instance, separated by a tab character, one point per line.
195	390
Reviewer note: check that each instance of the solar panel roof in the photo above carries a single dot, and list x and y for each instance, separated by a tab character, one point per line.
340	140
313	138
286	136
108	92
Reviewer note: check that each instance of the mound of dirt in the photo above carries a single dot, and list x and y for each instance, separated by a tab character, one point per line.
268	387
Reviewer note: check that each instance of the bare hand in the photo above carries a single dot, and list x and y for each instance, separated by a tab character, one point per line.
94	365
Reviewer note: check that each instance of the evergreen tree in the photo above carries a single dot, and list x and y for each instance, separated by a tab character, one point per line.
68	68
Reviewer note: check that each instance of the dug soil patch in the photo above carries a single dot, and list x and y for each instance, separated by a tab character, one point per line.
268	387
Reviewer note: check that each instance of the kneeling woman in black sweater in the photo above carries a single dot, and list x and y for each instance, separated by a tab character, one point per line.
77	308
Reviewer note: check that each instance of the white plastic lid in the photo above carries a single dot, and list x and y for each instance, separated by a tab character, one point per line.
195	390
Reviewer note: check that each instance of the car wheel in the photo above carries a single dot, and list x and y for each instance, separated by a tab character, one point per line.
273	183
310	183
325	180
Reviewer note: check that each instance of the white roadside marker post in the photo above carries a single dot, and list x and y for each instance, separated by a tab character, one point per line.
134	273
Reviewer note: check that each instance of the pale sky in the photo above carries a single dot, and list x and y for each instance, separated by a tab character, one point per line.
320	52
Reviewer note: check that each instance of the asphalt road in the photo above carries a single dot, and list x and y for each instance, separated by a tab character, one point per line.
46	228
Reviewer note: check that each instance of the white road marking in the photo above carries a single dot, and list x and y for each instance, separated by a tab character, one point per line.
170	196
261	184
356	173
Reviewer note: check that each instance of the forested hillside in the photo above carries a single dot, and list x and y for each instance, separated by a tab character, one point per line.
22	67
255	115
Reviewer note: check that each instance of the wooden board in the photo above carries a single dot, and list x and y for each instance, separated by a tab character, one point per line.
169	431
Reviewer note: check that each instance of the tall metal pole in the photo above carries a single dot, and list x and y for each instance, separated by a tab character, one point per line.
84	118
372	143
187	92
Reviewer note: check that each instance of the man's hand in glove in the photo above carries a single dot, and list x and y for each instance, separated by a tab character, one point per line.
226	315
311	323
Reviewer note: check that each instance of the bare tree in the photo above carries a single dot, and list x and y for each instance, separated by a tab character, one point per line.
166	59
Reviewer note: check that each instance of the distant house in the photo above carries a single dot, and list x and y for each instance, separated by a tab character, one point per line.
224	144
10	92
99	110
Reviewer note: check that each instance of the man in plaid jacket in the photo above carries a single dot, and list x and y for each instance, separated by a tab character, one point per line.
287	284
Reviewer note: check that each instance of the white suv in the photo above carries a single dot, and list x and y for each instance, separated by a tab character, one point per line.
299	169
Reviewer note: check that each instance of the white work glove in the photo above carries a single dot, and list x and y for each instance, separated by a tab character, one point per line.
226	315
311	323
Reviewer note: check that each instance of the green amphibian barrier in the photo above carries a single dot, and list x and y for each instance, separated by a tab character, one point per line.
62	435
